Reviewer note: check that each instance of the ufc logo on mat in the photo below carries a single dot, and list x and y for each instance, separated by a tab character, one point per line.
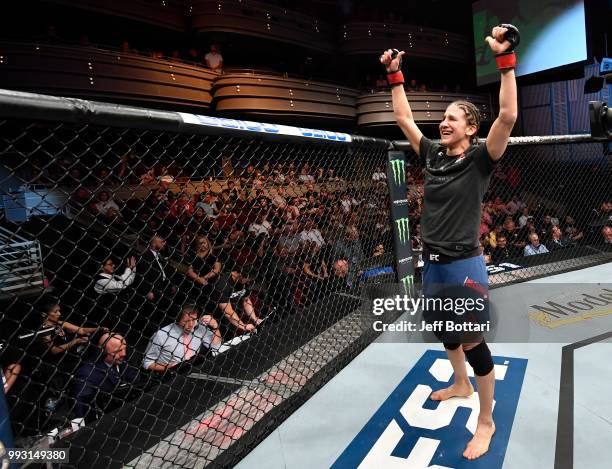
410	431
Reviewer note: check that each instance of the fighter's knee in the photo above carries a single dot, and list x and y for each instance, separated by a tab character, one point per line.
479	357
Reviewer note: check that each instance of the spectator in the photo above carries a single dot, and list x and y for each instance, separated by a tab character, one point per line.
193	55
379	175
105	203
9	367
485	253
305	175
545	228
311	233
103	383
606	232
289	237
351	250
412	86
208	204
214	59
108	282
515	206
234	309
379	249
314	270
203	270
148	177
57	350
501	253
180	341
261	226
514	236
571	230
534	247
339	281
279	200
557	240
156	280
524	217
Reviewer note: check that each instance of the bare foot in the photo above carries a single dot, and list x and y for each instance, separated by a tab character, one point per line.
479	444
454	390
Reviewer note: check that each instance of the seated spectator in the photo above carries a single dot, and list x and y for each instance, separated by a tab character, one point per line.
148	177
524	217
379	175
514	236
9	367
571	230
208	204
280	200
379	249
105	203
261	226
557	240
203	270
534	247
214	59
181	341
484	252
289	238
339	281
501	253
515	206
311	233
606	233
412	86
102	384
305	175
544	230
314	271
349	248
57	350
234	309
108	282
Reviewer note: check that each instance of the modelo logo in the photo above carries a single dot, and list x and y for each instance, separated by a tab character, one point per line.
263	127
413	432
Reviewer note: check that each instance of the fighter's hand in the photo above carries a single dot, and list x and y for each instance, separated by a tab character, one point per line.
391	64
496	41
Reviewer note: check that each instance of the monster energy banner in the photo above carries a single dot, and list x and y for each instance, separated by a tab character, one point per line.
398	192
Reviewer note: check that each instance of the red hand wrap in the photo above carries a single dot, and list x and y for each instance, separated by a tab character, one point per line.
395	78
505	60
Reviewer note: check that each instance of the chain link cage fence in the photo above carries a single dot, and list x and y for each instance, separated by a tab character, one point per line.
174	286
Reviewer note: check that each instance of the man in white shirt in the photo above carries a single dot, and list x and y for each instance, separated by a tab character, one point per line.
181	341
534	247
214	59
379	175
108	282
311	233
260	226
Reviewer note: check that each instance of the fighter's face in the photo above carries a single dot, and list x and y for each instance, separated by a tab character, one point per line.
454	126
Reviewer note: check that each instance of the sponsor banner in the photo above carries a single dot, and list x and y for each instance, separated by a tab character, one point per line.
410	430
396	177
262	127
503	267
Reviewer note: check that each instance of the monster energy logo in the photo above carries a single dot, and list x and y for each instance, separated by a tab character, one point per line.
399	173
407	283
403	230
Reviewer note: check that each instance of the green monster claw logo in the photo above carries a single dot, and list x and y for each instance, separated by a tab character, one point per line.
407	282
403	230
399	173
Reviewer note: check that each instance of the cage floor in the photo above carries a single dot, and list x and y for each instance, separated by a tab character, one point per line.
354	420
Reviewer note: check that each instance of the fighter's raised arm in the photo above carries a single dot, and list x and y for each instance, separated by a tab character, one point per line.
504	38
392	60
